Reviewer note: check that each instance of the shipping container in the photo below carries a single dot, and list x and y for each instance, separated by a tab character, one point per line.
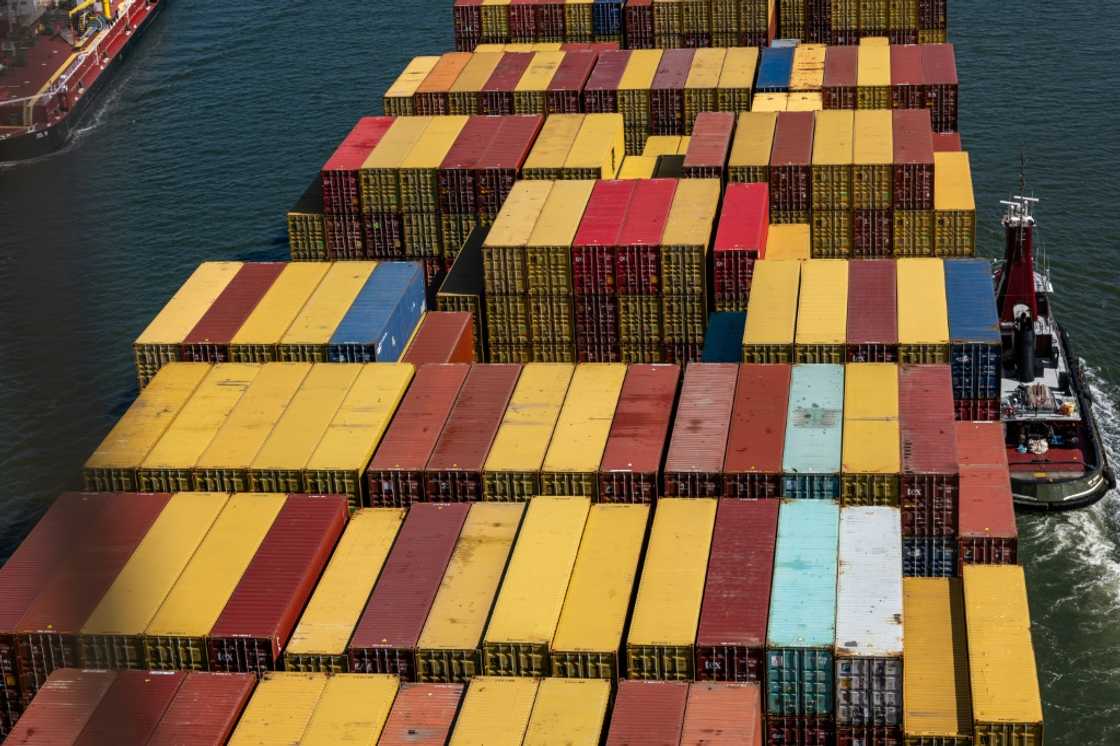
380	180
175	638
790	241
812	456
753	463
589	633
871	452
431	96
801	630
841	76
822	312
630	469
659	145
706	155
280	709
341	193
205	710
450	644
382	317
398	99
648	712
832	180
441	337
946	142
256	340
463	289
319	641
954	205
749	159
600	94
869	619
464	94
503	251
387	632
723	340
930	475
419	181
660	642
740	241
307	337
263	609
684	250
131	708
422	715
975	344
638	25
987	532
351	709
912	139
929	557
112	467
1006	706
637	265
923	317
731	635
723	715
495	711
694	463
775	69
307	239
569	711
808	67
700	86
565	91
598	149
772	312
790	168
872	331
939	68
531	93
666	96
770	102
805	101
938	703
531	598
908	89
872	170
63	707
209	340
736	79
500	165
873	77
634	96
571	464
638	167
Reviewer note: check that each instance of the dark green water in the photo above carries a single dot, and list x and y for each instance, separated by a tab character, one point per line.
226	110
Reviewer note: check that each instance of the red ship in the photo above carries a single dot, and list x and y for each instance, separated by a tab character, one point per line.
54	59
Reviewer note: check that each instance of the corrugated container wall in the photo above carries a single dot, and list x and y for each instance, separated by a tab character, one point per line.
812	456
648	712
694	464
631	465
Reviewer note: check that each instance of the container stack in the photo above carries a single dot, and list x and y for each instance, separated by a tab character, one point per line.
740	241
342	204
833	22
987	532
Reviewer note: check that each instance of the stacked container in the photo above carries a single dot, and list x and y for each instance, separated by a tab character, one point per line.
822	310
872	452
630	471
872	332
753	463
987	530
307	240
812	457
873	184
749	160
706	157
694	464
791	191
571	465
342	203
975	344
832	184
684	262
740	241
923	318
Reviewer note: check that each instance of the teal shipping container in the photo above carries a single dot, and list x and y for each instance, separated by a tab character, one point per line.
814	433
802	628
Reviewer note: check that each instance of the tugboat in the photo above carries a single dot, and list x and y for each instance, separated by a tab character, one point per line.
1054	447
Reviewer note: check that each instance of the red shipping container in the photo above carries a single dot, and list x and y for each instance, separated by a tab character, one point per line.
549	21
64	706
930	476
988	533
132	708
791	183
913	160
596	328
443	337
598	47
47	633
630	470
388	631
723	715
872	233
458	193
801	730
744	224
637	19
942	85
637	268
396	473
345	236
454	472
500	166
600	95
468	24
756	437
340	173
497	93
522	21
731	636
947	142
869	735
872	330
981	446
205	710
841	73
710	144
208	341
682	353
666	95
593	249
263	609
694	466
422	715
983	410
384	234
907	78
565	90
650	713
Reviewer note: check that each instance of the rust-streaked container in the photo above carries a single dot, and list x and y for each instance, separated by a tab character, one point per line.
752	465
396	472
930	474
422	715
205	710
987	532
209	340
841	69
872	333
648	712
913	159
731	636
454	471
442	337
694	464
457	172
255	624
630	470
723	715
791	180
388	631
132	708
64	706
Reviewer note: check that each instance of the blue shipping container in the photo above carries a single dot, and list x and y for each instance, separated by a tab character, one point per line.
775	69
929	557
802	626
382	317
975	348
723	342
606	19
814	433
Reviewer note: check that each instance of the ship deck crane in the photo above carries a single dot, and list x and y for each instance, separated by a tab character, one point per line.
78	14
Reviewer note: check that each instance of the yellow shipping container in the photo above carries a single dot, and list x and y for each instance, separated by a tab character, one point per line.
309	333
598	149
577	20
418	174
661	145
463	94
789	241
112	467
503	250
495	712
873	156
832	160
875	41
319	641
529	97
554	143
351	710
588	637
684	244
873	77
913	233
379	176
398	99
569	712
938	705
532	594
683	148
736	79
808	67
822	312
872	450
1006	706
159	342
954	206
256	340
338	463
489	48
667	609
495	19
175	638
923	317
280	709
224	465
571	466
450	644
638	167
512	470
770	102
700	88
112	635
634	98
772	312
805	101
169	466
750	149
548	251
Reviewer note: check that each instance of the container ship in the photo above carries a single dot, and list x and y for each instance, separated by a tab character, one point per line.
53	63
